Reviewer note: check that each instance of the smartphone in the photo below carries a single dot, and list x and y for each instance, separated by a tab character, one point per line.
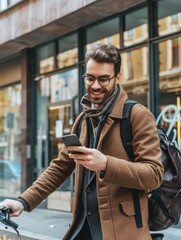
71	140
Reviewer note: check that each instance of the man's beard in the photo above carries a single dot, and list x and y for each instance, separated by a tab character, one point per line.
99	100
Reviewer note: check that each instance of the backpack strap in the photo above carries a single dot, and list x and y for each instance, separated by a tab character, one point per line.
126	129
126	136
156	197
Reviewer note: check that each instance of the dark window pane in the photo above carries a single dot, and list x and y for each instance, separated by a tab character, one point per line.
68	51
107	32
136	27
169	16
46	58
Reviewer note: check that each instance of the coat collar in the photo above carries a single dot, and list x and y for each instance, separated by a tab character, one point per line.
117	111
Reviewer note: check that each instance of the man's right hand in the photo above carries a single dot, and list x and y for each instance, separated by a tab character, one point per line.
15	206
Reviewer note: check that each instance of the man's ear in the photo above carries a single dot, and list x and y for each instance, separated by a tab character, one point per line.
118	77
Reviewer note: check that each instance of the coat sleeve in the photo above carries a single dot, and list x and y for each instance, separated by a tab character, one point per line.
57	172
146	171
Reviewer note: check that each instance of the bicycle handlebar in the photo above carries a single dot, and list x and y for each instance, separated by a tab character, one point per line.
5	218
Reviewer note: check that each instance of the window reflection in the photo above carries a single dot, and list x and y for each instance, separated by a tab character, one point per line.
68	51
135	74
54	91
135	64
170	87
60	86
46	58
63	86
4	4
67	58
170	57
111	40
60	123
136	27
107	32
169	16
47	65
10	140
170	65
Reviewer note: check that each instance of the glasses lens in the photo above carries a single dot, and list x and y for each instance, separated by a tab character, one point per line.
89	80
104	81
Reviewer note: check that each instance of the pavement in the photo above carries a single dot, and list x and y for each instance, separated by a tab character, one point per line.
45	224
40	224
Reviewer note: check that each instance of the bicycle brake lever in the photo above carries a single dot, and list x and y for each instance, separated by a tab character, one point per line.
11	224
5	219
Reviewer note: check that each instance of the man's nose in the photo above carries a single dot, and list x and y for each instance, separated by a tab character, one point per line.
96	84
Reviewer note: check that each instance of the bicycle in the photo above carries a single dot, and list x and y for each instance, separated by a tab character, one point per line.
5	219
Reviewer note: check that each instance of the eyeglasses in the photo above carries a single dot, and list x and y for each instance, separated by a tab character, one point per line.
102	80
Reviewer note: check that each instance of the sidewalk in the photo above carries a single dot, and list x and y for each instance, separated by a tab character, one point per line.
43	224
40	224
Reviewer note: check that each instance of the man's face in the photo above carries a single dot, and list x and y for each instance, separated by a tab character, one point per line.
96	92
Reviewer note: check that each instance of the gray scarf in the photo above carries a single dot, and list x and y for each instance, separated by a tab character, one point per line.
96	113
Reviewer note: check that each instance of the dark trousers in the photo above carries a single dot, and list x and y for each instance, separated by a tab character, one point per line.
84	233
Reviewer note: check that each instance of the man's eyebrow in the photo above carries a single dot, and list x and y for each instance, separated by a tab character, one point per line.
104	75
90	74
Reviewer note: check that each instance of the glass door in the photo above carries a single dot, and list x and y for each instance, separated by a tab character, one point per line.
10	140
60	123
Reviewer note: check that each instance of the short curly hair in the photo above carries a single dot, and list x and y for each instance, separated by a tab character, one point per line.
105	53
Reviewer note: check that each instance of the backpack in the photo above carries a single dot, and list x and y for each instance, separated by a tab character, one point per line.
165	202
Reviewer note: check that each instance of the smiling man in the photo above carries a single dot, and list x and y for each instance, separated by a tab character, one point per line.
100	81
103	206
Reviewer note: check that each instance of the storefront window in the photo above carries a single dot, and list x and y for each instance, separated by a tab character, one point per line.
46	58
63	86
4	4
10	141
170	87
135	74
169	16
136	27
68	51
107	32
57	107
53	93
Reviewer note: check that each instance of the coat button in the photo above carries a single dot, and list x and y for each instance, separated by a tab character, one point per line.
88	189
89	212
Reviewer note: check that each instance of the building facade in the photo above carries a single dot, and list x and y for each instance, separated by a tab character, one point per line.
42	49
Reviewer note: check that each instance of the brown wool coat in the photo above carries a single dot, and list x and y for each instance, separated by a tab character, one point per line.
113	191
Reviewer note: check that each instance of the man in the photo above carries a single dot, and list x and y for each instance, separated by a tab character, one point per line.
104	174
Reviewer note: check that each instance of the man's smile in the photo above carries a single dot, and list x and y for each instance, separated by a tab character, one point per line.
97	93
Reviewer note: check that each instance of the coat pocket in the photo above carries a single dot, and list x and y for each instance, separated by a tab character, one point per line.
127	208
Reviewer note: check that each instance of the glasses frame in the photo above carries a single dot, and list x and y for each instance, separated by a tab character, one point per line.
98	79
